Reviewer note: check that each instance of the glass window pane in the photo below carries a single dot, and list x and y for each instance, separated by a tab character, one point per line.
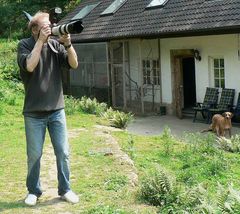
148	63
157	3
222	63
85	11
222	73
216	63
216	73
216	81
222	83
113	7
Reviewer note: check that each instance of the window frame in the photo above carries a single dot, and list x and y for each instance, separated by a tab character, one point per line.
218	71
157	5
111	12
91	6
151	73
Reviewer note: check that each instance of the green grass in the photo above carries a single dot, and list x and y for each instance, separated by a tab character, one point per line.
100	180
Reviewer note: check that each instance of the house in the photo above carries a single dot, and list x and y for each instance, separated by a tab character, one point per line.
144	55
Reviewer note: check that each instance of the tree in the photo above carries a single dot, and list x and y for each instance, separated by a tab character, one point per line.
13	24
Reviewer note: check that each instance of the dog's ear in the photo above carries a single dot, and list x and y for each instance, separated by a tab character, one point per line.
224	114
231	115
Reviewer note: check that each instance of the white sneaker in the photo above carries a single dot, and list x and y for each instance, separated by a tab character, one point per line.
31	200
70	197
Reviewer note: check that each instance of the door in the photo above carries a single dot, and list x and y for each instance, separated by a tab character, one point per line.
189	83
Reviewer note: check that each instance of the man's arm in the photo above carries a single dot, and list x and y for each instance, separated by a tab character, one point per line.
33	58
72	56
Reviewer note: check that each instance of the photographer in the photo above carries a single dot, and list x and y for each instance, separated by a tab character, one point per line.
41	61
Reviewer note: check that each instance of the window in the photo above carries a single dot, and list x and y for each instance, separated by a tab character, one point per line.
85	11
151	72
114	7
219	72
157	3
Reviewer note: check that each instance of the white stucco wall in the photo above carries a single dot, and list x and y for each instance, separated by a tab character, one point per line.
225	46
149	50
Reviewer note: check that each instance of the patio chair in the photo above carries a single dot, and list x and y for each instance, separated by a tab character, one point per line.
210	98
236	110
225	103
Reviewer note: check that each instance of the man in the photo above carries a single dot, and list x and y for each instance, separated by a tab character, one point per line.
41	61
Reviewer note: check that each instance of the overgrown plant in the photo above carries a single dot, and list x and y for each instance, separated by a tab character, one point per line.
159	189
92	106
130	147
229	145
117	118
168	141
228	200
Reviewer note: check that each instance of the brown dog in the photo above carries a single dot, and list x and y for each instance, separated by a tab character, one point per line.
220	124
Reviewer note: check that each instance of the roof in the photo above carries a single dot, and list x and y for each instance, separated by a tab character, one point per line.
175	18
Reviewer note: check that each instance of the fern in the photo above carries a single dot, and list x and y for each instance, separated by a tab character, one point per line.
159	189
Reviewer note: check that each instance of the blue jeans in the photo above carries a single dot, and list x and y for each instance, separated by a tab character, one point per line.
35	128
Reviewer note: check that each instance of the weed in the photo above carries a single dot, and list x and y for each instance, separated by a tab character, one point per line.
115	182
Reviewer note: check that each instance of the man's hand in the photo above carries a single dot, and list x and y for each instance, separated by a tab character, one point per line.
44	33
65	39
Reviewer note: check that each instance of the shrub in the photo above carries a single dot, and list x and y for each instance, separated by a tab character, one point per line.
229	145
92	106
71	105
159	189
118	119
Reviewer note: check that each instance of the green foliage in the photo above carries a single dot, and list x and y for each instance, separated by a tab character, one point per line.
13	23
168	141
230	145
101	209
117	118
8	60
158	188
228	200
92	106
130	147
200	159
115	182
72	105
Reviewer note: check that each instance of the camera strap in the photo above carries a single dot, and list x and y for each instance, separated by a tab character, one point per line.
52	48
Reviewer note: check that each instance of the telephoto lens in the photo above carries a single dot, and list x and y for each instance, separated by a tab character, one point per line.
73	27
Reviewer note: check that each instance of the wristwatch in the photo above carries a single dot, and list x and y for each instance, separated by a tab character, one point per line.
68	46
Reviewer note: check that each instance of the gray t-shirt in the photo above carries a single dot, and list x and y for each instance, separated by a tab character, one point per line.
43	86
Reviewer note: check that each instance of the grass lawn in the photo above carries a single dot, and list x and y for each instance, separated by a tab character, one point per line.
99	179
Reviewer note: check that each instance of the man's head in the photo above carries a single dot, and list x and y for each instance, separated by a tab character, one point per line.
39	20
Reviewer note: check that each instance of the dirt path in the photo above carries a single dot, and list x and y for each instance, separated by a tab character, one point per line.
49	169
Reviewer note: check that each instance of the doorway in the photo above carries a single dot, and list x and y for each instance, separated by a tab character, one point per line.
189	83
183	80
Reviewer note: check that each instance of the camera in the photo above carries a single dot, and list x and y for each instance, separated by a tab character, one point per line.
69	28
72	27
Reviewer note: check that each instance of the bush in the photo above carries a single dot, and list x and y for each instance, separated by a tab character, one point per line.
230	145
117	119
159	189
8	60
92	106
